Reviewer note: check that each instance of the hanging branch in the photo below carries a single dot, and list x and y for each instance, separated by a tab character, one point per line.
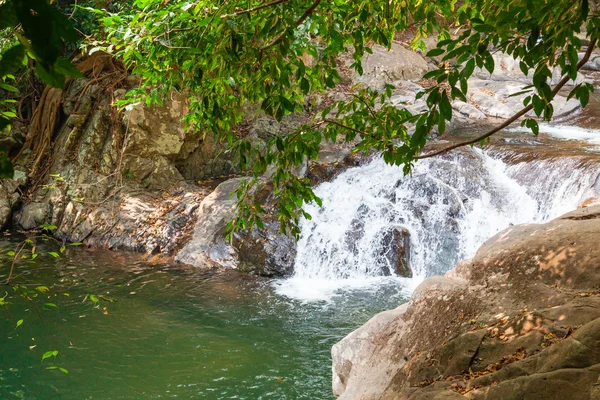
515	117
257	8
299	22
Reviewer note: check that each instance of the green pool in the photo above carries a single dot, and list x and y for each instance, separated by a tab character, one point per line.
129	329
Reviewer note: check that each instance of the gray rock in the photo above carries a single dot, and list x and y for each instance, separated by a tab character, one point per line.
361	363
593	64
9	197
208	246
32	215
265	252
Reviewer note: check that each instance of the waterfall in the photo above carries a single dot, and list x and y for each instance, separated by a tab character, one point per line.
449	206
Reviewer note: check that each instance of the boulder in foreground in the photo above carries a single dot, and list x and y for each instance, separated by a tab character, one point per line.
521	320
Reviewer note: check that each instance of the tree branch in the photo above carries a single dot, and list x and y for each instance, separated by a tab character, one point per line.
299	22
515	117
257	8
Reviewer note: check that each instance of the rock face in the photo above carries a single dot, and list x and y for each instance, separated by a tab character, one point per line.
126	180
520	320
111	179
265	252
9	198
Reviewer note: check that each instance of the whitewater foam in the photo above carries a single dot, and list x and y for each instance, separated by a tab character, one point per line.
450	206
566	132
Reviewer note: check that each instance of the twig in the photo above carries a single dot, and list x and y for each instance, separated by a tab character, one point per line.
210	23
16	256
257	8
299	22
166	33
330	121
515	117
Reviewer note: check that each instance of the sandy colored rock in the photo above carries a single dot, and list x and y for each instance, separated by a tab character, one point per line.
521	320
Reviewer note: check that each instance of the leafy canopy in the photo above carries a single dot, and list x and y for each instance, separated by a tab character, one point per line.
276	55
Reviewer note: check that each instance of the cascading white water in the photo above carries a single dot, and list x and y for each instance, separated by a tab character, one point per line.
449	206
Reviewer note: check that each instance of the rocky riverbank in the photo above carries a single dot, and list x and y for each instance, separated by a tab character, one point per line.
138	179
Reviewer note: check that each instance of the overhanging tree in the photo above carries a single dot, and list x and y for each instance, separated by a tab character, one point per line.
228	54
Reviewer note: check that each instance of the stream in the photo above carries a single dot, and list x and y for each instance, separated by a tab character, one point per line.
128	328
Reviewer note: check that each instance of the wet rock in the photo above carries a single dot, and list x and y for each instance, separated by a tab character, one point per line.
593	64
495	98
265	252
521	317
32	215
506	68
327	168
468	110
9	198
394	245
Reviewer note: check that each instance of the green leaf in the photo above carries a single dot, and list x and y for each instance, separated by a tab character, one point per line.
585	9
433	74
435	52
488	62
42	289
48	354
11	253
93	298
76	244
48	227
54	254
63	370
9	88
19	323
50	76
446	108
468	69
304	85
531	124
51	305
12	59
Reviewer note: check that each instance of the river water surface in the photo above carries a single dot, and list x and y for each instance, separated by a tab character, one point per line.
161	333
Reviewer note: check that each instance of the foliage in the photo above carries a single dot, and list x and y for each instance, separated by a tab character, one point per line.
32	34
278	54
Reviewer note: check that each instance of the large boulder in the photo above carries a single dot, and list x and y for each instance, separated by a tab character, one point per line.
266	252
520	320
385	66
208	246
